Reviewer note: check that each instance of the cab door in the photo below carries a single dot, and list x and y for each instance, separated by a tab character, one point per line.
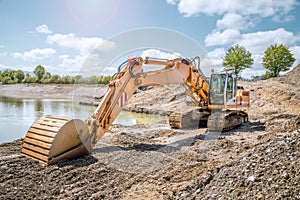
230	92
216	89
222	89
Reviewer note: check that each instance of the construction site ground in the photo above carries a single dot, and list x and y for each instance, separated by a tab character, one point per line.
259	160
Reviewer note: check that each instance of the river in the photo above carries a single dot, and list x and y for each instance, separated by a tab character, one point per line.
17	115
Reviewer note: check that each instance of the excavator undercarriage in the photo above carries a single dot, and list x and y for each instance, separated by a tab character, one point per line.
190	118
215	121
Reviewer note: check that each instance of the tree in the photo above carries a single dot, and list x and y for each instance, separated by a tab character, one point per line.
56	79
39	71
104	79
237	59
29	79
277	59
46	77
79	79
68	79
8	77
92	80
7	80
19	76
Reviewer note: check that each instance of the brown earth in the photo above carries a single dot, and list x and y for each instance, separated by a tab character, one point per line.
259	160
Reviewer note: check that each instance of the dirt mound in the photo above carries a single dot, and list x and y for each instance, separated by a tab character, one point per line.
10	148
283	123
270	170
293	76
159	100
22	178
273	97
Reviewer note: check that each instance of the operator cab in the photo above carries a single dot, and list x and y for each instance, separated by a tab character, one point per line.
222	89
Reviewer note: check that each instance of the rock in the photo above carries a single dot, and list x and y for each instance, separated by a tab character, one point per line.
251	178
261	197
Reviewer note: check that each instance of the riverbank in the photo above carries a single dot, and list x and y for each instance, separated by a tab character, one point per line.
42	91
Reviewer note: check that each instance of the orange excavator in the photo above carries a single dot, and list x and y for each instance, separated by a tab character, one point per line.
220	106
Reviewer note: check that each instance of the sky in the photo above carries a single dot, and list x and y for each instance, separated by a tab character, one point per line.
61	34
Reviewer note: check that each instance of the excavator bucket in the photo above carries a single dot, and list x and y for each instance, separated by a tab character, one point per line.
51	139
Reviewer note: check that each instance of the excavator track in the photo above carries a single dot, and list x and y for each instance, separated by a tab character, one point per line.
216	122
51	139
220	121
190	118
175	119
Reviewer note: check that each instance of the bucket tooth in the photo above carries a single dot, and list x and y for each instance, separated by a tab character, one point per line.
51	139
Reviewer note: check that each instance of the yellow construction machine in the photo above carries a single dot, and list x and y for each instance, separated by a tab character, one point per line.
220	105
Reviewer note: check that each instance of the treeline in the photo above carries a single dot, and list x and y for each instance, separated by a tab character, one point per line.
42	76
276	59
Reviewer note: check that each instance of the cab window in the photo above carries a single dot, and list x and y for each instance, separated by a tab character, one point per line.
229	90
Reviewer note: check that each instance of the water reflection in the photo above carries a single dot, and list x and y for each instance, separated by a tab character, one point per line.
17	115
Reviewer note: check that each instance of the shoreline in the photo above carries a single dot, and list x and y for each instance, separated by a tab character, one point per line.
51	91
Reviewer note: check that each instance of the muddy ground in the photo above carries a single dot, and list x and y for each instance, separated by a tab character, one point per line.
259	160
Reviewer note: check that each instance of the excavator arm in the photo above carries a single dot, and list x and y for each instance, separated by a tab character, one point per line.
122	87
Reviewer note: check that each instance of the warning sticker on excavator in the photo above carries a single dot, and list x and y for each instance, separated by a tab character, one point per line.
123	99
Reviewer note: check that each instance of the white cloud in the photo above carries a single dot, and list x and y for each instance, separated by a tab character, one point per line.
43	29
156	53
34	54
263	8
216	56
85	58
236	14
254	71
283	19
232	21
172	2
84	44
85	65
3	53
2	67
256	42
296	51
15	67
75	62
213	60
222	38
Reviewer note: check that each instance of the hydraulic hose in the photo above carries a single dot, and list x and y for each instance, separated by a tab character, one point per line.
131	68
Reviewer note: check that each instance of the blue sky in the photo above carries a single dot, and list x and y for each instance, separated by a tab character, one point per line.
60	34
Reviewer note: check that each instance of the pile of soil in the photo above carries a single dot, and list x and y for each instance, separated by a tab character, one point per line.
159	100
255	161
